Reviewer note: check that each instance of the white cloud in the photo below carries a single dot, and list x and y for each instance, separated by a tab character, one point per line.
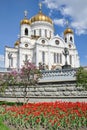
75	9
60	22
51	11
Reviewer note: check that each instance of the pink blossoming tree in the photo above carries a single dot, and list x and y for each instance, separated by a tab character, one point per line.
26	77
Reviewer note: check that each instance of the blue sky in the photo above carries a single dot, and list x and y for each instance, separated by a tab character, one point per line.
75	11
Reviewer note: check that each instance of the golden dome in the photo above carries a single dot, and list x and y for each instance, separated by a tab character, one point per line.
16	43
68	30
41	17
25	21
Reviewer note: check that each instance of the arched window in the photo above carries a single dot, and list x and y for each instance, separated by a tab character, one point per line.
54	57
50	34
45	33
60	58
11	62
65	39
26	57
71	39
43	56
34	32
57	57
70	57
39	32
26	31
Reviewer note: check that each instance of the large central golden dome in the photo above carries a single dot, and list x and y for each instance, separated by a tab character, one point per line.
41	17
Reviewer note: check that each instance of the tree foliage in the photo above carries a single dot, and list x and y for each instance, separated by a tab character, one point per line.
27	76
81	77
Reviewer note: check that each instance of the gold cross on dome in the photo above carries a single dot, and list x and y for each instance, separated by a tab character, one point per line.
25	13
67	23
40	6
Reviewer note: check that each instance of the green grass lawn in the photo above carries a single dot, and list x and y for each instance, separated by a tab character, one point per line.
2	126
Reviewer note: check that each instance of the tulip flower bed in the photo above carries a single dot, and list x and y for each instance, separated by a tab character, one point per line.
47	116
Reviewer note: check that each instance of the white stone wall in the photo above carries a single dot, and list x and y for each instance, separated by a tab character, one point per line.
22	53
22	30
42	26
55	92
36	46
68	35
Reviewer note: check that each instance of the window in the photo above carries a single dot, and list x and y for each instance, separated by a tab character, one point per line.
26	57
43	41
54	57
43	57
11	61
26	31
65	39
70	59
60	58
70	46
57	58
40	32
34	32
26	45
45	33
71	39
50	34
57	42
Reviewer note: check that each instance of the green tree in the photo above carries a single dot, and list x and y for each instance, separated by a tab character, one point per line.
81	77
24	78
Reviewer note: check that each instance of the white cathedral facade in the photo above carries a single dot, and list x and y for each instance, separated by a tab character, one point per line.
38	44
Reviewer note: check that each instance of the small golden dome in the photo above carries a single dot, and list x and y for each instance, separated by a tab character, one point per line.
41	17
68	30
16	43
25	21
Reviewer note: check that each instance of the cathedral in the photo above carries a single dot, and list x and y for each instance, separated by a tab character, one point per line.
38	44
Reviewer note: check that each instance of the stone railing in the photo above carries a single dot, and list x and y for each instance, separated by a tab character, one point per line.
58	75
52	75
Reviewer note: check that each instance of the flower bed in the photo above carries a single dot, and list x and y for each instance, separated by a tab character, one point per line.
50	116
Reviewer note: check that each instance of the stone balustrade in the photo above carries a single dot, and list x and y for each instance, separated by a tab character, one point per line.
53	75
58	75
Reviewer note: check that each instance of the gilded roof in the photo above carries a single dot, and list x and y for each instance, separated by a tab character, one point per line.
16	43
25	21
41	17
68	30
